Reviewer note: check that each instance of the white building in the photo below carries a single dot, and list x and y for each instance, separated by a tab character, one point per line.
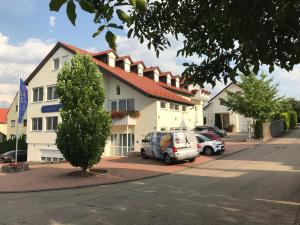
155	102
220	116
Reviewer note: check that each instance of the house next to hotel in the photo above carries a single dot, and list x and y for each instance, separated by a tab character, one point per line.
218	115
154	101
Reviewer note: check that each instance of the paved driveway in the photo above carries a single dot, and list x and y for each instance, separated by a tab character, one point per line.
256	186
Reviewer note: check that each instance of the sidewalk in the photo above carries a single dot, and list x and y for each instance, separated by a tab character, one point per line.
54	176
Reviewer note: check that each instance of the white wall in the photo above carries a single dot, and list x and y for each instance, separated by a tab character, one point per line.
239	121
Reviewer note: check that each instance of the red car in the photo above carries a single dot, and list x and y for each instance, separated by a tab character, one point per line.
212	136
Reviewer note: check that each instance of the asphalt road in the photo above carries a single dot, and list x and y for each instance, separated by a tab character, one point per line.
256	186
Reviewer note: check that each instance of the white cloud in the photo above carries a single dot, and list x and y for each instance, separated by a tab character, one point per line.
52	21
20	59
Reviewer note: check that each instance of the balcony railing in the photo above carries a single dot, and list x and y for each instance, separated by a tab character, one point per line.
124	121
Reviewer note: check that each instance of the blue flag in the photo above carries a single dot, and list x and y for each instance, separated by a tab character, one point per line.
23	100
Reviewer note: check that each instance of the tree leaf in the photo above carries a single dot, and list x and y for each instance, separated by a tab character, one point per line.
129	33
132	2
122	15
71	12
87	6
100	29
55	5
111	39
141	5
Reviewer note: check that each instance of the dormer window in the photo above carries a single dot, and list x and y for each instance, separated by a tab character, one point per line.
177	82
56	63
111	59
140	70
118	90
126	66
156	76
168	80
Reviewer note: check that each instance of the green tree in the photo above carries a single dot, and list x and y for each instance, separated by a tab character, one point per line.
227	35
258	100
85	125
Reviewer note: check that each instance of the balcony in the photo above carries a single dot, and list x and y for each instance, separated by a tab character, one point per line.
126	121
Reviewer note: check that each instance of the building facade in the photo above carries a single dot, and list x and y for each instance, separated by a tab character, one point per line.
12	117
218	115
146	98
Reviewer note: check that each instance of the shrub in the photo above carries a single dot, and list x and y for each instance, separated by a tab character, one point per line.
293	119
287	121
10	144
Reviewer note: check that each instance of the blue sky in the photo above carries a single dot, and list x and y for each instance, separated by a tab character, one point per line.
28	30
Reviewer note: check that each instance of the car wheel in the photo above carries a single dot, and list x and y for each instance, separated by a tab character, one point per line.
143	154
192	159
208	150
167	159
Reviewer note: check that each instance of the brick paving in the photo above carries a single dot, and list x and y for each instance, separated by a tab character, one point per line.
55	176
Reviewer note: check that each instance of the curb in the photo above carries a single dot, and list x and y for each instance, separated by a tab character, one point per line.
129	180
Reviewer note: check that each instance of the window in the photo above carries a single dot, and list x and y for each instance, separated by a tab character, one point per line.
25	123
122	105
37	124
176	107
16	108
38	94
12	123
51	123
65	59
184	108
130	104
163	105
114	106
163	129
56	64
118	90
172	106
51	93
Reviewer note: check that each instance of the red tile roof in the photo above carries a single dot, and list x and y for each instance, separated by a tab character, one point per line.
3	114
165	74
144	85
121	58
180	90
152	69
137	63
101	53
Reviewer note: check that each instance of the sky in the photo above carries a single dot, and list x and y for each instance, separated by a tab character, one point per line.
29	31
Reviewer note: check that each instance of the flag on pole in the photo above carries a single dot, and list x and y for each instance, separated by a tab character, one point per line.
23	100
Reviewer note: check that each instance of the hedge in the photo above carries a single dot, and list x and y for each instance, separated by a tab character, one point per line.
10	144
290	119
293	118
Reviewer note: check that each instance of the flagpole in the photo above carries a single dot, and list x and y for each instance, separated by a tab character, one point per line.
17	131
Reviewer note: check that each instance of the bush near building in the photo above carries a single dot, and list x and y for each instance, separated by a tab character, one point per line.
10	144
290	119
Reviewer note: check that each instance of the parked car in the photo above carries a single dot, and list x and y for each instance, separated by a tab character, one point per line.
171	146
209	146
212	136
216	130
10	156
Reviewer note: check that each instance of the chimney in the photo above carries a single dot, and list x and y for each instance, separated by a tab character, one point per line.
108	57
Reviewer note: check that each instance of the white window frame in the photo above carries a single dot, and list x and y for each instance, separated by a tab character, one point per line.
52	99
165	108
38	88
36	118
13	123
54	59
172	104
118	100
52	124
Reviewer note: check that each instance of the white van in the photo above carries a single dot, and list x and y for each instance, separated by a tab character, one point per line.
170	146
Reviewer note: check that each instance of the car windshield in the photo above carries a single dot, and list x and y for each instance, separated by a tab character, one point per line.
9	153
203	138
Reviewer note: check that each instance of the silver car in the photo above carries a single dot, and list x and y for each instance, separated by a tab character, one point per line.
170	146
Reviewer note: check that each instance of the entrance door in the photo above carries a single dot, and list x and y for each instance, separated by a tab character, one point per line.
119	144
